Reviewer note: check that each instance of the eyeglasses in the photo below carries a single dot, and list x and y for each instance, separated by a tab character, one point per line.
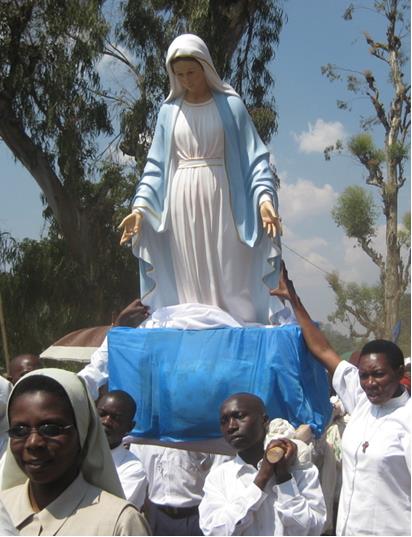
48	430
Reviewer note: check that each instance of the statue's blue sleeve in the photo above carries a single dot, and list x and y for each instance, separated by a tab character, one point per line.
255	155
151	189
247	165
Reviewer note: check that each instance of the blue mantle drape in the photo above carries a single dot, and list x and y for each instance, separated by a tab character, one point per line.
179	378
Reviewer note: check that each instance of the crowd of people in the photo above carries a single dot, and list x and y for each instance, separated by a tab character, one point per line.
70	467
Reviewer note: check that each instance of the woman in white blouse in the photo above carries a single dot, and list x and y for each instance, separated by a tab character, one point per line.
376	477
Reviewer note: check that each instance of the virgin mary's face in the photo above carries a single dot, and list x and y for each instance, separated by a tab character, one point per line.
191	76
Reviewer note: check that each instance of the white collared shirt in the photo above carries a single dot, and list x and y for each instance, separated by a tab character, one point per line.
234	505
131	474
376	477
176	477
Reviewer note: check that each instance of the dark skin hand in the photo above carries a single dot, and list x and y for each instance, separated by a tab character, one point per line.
314	338
280	469
132	315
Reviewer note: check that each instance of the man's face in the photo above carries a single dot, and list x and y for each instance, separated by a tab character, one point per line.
22	365
243	423
115	419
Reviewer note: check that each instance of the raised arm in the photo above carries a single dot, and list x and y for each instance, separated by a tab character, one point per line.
314	338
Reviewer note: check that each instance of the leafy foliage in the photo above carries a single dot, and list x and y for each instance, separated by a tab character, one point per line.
339	342
358	303
48	52
356	212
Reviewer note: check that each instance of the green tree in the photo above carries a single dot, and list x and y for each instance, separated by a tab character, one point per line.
340	342
50	115
355	211
45	291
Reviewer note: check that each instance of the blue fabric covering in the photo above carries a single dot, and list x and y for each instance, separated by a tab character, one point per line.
179	378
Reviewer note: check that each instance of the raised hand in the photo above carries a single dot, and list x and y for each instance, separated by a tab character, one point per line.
285	289
132	315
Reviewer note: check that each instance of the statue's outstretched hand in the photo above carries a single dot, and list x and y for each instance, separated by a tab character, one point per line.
270	220
131	226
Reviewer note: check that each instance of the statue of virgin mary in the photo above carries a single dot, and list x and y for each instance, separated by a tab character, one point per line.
204	222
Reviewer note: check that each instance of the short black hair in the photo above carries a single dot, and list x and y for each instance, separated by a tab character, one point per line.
124	398
393	353
255	400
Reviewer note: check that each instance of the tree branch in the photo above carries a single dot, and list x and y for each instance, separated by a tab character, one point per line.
375	256
66	212
380	110
114	52
405	281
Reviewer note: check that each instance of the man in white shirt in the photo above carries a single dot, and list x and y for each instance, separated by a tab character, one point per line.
251	496
116	410
176	478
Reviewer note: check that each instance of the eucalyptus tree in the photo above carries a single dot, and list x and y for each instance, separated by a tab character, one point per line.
376	308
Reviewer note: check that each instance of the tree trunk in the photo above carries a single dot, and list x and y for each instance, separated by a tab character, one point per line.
392	281
73	223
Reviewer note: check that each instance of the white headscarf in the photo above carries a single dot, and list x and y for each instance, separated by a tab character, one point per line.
191	45
97	464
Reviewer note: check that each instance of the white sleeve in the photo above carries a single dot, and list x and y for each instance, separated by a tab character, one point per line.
300	504
134	483
96	373
347	385
265	196
218	515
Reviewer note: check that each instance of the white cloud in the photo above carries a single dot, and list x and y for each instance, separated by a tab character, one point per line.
319	136
303	199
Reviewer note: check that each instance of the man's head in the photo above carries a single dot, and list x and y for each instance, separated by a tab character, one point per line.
116	410
21	365
243	422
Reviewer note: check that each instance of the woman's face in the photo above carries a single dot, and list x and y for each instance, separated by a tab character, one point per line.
191	76
43	459
377	378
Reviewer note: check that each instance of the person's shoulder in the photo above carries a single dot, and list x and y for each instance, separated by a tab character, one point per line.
117	513
115	506
105	498
225	468
129	464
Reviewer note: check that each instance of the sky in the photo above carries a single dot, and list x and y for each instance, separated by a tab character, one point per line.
309	120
